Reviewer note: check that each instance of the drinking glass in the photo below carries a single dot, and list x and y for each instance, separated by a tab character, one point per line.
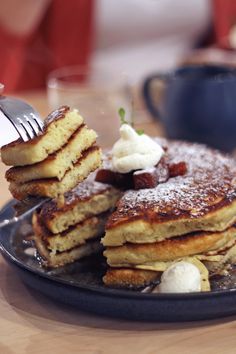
97	95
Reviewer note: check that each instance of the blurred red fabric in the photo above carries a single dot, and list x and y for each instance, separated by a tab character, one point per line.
224	14
64	37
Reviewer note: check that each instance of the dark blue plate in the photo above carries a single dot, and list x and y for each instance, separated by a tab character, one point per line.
80	285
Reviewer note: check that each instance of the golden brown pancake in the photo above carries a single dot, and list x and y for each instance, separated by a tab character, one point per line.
54	260
51	187
70	229
85	200
204	199
189	217
170	249
141	276
58	163
207	264
74	236
130	278
58	128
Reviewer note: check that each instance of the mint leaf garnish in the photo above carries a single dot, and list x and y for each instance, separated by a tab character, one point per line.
140	131
121	113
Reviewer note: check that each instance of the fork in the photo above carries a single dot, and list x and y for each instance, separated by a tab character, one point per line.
28	124
24	117
14	219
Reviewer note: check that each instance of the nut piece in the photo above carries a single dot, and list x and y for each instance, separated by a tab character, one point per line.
177	169
142	179
122	180
145	179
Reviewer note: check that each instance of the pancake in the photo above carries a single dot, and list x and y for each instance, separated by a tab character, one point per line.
87	199
144	276
189	217
56	164
209	263
74	236
51	187
58	128
54	260
170	249
204	199
69	229
130	278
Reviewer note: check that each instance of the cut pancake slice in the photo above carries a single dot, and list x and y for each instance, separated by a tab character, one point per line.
51	187
189	217
87	199
74	236
58	128
74	243
147	230
203	199
59	259
209	252
171	249
142	274
58	163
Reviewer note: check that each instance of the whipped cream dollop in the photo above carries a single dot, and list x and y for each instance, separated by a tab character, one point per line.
180	277
134	152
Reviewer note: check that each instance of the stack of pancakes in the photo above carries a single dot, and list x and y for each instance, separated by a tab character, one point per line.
188	217
67	232
55	161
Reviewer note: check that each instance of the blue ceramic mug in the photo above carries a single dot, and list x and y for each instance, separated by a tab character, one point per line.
198	104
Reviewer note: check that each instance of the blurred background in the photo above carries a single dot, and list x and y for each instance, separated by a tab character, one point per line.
96	54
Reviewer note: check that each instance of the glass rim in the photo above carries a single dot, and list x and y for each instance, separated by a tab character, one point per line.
108	79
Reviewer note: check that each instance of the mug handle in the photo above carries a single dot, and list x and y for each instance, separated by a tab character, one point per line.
147	95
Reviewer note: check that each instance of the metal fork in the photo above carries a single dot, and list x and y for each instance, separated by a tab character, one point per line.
14	219
24	117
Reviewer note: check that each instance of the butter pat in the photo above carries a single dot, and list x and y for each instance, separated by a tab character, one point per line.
180	277
134	152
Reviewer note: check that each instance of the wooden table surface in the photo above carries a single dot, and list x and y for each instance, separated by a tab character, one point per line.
31	323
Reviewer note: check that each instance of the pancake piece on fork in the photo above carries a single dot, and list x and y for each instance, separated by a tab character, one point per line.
58	128
55	161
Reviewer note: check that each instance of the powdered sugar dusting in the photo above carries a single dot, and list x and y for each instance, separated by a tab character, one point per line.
210	180
86	189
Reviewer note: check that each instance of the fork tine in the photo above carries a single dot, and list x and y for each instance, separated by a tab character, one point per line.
24	122
24	117
21	131
37	120
34	126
